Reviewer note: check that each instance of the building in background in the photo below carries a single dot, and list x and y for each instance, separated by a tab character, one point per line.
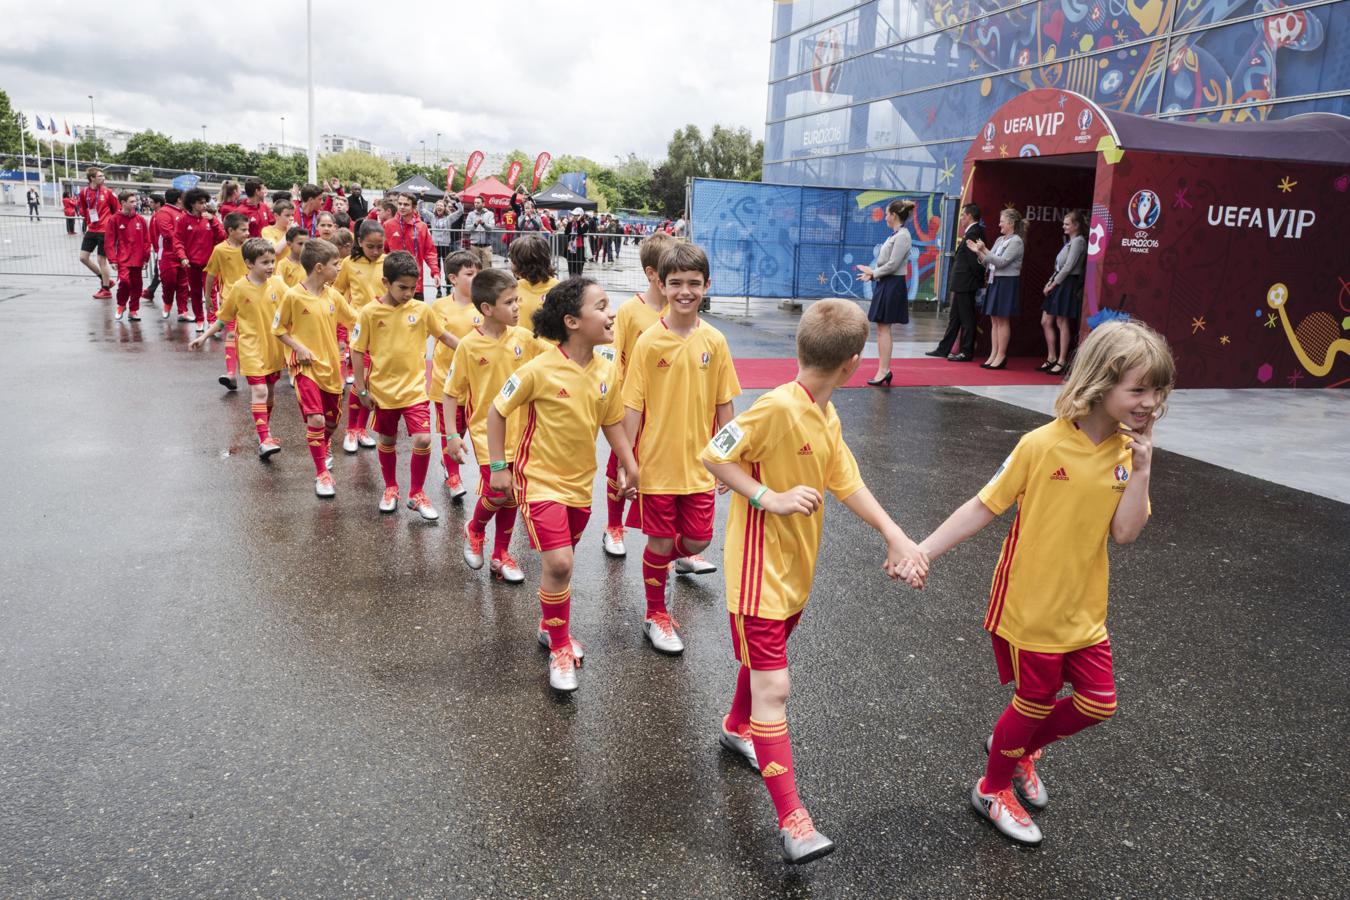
115	138
888	94
339	143
281	149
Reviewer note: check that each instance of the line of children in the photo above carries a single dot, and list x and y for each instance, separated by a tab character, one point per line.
288	266
224	267
532	263
251	303
677	390
392	333
460	316
198	233
361	281
127	246
483	362
164	236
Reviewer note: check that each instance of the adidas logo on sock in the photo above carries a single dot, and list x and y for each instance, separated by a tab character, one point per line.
805	451
652	581
563	395
1014	754
773	769
663	364
1060	475
554	622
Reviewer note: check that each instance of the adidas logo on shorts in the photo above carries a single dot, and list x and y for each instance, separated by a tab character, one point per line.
1060	475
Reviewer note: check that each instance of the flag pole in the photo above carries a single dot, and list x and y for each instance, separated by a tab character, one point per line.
23	156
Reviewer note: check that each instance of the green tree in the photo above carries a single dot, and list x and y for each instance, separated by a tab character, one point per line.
353	165
11	124
280	172
404	171
732	154
149	148
232	158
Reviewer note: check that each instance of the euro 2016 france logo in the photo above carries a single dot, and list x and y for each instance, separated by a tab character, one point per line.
1085	120
703	361
604	389
1144	209
412	319
1122	473
989	132
519	351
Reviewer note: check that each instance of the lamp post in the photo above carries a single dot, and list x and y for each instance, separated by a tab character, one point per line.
424	152
283	136
93	126
203	151
438	148
309	77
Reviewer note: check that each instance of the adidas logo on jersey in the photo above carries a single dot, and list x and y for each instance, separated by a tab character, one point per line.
563	395
482	361
773	770
1060	475
805	451
381	324
663	364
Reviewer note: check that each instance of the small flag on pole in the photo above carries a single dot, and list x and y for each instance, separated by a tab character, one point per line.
66	122
51	125
40	126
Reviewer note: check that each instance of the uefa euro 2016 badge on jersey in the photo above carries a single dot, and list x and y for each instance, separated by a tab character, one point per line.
703	362
519	350
604	389
412	318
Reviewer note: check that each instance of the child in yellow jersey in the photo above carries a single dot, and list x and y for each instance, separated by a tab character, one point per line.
251	303
569	392
1076	481
306	322
459	316
532	263
485	358
275	234
677	390
779	456
224	268
392	334
636	315
361	280
289	269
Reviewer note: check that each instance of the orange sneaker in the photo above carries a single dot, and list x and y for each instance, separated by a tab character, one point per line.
389	502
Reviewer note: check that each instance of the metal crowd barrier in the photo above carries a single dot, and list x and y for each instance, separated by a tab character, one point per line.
38	247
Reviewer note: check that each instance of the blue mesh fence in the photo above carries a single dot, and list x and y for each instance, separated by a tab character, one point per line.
780	241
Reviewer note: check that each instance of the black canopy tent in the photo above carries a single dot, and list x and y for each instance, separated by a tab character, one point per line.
560	197
419	187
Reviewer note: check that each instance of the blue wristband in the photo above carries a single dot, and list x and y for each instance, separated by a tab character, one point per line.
754	501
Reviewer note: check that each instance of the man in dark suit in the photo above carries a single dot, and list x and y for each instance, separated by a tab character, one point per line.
966	280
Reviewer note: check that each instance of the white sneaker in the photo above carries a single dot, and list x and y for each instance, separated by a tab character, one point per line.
456	486
801	842
578	651
1025	781
473	549
613	542
349	441
163	313
351	379
389	502
323	485
507	569
268	448
419	503
1005	813
660	630
328	462
184	317
738	742
364	439
693	565
201	327
562	670
120	314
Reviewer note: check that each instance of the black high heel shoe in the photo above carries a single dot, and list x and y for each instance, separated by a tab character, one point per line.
1045	366
883	381
1002	365
1057	369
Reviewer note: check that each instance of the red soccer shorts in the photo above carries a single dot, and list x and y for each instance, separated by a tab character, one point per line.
1043	674
269	379
314	400
553	525
485	487
761	644
668	515
416	418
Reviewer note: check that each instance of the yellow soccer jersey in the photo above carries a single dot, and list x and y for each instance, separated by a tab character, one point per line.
312	319
360	280
677	384
275	235
531	298
784	439
290	271
1049	588
565	406
253	307
481	365
226	264
633	318
459	319
396	339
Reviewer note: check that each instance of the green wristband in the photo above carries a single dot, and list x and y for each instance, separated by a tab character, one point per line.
498	465
754	501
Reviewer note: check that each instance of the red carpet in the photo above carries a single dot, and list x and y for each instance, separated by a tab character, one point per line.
922	372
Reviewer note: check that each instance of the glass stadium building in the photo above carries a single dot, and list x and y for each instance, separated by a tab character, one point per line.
888	94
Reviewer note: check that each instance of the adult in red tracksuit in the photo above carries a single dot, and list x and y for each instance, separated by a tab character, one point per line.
68	207
406	231
198	233
127	243
255	207
164	239
97	204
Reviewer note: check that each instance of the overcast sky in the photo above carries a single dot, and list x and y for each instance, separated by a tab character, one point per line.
598	78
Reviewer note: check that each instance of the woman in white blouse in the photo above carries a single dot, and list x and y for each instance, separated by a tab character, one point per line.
1001	297
890	297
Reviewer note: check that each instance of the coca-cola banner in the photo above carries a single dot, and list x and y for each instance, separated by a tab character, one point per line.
540	167
471	169
513	173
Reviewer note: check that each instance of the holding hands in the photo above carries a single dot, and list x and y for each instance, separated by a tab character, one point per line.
905	560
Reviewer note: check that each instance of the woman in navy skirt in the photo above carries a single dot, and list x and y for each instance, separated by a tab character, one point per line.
1064	293
1004	262
890	296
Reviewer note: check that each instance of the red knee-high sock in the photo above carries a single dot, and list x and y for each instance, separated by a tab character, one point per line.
355	419
445	438
613	499
421	461
773	749
1012	734
388	464
740	701
506	524
655	572
314	438
260	415
1071	715
483	512
556	610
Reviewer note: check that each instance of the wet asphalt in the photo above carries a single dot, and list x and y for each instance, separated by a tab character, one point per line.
213	683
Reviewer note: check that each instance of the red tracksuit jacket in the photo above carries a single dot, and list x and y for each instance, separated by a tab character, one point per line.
103	204
415	238
198	237
128	240
164	235
259	217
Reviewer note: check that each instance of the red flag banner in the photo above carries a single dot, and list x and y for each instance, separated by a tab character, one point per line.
540	167
513	173
471	169
450	178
